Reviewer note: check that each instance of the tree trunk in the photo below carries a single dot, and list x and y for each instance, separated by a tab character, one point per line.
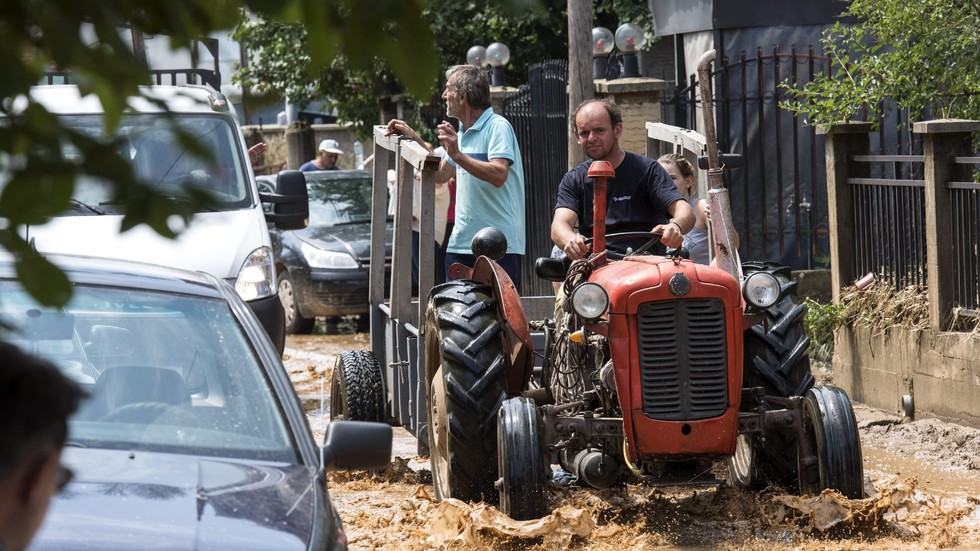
580	85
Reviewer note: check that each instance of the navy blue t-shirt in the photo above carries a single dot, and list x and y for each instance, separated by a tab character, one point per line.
636	199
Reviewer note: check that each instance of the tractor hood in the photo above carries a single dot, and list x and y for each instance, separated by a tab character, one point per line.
638	279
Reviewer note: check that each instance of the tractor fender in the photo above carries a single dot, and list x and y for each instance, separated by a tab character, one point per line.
515	332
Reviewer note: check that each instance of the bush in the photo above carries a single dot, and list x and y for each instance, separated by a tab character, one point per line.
820	321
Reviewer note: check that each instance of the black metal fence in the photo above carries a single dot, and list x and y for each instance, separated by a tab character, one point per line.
911	218
779	199
538	111
888	216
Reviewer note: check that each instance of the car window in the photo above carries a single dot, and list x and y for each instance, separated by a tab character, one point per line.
165	372
339	202
152	145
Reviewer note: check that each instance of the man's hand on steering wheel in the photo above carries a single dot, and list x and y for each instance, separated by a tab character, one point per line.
671	234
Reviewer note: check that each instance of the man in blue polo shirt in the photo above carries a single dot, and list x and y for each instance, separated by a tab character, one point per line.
484	157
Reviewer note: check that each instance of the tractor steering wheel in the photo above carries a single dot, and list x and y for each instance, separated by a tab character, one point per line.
652	239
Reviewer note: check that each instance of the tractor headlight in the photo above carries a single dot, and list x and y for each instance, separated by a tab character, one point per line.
761	290
590	301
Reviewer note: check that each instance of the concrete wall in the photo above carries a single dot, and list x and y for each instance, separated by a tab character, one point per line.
274	136
941	371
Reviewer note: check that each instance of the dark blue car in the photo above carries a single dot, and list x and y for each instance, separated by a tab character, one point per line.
323	269
193	437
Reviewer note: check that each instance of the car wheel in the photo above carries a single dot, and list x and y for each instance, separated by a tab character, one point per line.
296	324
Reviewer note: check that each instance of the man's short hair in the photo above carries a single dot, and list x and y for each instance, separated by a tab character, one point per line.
36	400
615	115
472	81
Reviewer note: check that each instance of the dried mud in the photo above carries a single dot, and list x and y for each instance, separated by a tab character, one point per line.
922	479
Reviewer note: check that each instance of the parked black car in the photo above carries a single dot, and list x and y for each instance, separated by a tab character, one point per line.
323	269
193	437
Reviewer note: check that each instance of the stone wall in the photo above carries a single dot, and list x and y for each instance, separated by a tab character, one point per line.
639	101
939	370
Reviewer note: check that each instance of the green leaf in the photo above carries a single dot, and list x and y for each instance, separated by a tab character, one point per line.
41	279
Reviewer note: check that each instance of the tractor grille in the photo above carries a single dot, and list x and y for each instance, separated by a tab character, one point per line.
683	359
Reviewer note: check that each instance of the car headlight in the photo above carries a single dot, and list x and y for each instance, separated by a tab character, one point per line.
318	258
256	279
589	301
761	290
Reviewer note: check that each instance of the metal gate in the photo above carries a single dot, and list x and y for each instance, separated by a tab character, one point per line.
779	196
538	111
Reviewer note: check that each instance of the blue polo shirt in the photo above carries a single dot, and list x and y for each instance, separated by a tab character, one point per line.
480	204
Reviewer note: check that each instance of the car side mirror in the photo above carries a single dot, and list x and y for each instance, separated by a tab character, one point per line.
356	445
291	201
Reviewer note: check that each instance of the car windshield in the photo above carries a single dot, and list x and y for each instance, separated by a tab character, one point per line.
151	144
339	201
165	372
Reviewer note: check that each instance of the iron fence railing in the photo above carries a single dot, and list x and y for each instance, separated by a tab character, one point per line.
965	226
888	217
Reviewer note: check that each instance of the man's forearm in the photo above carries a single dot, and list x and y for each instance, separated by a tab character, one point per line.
489	171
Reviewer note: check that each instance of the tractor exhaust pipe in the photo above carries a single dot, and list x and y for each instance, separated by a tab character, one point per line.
722	229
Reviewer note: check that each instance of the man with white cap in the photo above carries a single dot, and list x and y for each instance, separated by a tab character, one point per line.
326	157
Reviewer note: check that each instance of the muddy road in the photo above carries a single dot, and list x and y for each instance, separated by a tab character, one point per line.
922	479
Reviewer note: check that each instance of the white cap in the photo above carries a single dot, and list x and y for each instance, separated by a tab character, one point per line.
330	146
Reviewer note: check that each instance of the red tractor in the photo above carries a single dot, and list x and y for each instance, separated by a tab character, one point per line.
653	366
647	366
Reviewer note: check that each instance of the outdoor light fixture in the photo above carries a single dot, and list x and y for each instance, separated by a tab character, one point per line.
602	44
477	55
629	40
498	55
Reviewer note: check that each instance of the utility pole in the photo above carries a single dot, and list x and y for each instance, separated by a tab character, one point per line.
580	85
139	45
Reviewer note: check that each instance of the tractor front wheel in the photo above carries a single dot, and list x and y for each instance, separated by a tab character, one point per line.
830	427
523	483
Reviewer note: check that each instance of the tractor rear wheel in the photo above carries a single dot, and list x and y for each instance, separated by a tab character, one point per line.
830	427
356	389
523	484
775	359
465	367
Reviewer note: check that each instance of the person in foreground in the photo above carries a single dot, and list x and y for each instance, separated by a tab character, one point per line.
485	159
35	403
641	197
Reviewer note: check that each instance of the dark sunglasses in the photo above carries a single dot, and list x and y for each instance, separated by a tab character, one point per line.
64	477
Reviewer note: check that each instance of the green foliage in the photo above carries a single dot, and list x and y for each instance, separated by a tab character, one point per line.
921	54
820	322
85	38
281	63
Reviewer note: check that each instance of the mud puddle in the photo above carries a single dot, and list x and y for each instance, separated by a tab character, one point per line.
922	482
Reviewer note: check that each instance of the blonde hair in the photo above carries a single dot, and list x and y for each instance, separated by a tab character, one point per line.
683	166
